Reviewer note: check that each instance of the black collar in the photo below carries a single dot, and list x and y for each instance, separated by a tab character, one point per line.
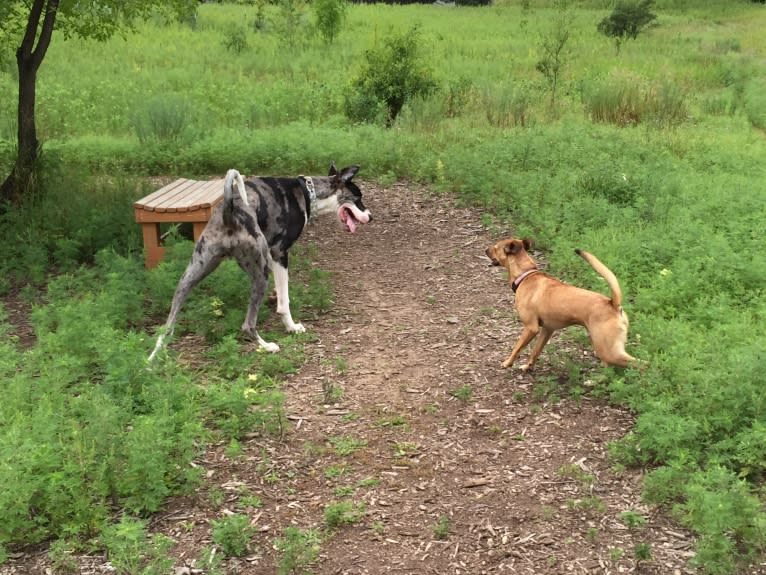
517	282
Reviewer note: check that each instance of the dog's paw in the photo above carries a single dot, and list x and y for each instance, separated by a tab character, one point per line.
506	364
296	328
526	367
268	346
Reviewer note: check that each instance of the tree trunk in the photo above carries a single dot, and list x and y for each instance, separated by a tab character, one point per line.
28	58
21	176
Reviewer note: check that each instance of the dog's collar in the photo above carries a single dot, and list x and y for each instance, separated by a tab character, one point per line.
517	282
312	193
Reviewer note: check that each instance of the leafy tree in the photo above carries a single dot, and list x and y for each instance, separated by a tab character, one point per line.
627	19
28	25
330	15
552	60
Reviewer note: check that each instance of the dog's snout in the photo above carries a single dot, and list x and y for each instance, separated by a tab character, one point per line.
491	255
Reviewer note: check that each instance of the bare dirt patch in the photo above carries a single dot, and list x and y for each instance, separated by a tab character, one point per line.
460	468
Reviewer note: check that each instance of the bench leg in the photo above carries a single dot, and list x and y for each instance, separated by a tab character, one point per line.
153	251
198	228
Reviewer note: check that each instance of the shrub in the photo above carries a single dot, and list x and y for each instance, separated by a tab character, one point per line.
236	39
233	534
722	509
337	514
299	549
392	74
289	24
245	405
442	527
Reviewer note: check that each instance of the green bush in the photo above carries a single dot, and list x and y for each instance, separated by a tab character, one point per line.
95	426
342	513
392	74
299	549
71	219
131	552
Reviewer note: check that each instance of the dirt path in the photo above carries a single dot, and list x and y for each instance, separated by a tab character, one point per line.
410	356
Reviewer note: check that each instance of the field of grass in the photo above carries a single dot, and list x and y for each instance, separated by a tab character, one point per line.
652	157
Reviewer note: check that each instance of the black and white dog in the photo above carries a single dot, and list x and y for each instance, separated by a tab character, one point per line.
257	228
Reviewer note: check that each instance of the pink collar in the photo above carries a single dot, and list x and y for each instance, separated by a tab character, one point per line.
517	282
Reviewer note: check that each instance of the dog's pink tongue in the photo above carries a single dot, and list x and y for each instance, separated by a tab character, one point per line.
348	219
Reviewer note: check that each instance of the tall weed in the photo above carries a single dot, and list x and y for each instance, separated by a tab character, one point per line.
162	119
754	98
627	101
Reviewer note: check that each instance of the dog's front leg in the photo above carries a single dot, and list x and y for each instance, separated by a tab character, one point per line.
283	298
545	335
526	336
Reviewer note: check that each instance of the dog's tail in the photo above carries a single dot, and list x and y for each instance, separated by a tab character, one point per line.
605	273
228	193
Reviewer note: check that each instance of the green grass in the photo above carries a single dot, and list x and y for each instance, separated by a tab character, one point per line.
672	201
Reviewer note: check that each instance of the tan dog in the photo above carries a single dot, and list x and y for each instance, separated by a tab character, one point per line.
545	305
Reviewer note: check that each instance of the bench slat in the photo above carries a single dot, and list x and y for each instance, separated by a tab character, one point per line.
157	198
168	201
183	195
178	198
203	196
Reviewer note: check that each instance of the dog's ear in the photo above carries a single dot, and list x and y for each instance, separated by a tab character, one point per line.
347	173
512	247
333	171
528	243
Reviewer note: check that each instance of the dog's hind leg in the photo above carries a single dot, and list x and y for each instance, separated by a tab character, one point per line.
613	353
609	343
258	270
283	298
204	260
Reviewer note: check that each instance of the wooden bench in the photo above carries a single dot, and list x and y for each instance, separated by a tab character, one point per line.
180	201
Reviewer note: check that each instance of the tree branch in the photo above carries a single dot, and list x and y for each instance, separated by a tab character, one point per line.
46	33
28	42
